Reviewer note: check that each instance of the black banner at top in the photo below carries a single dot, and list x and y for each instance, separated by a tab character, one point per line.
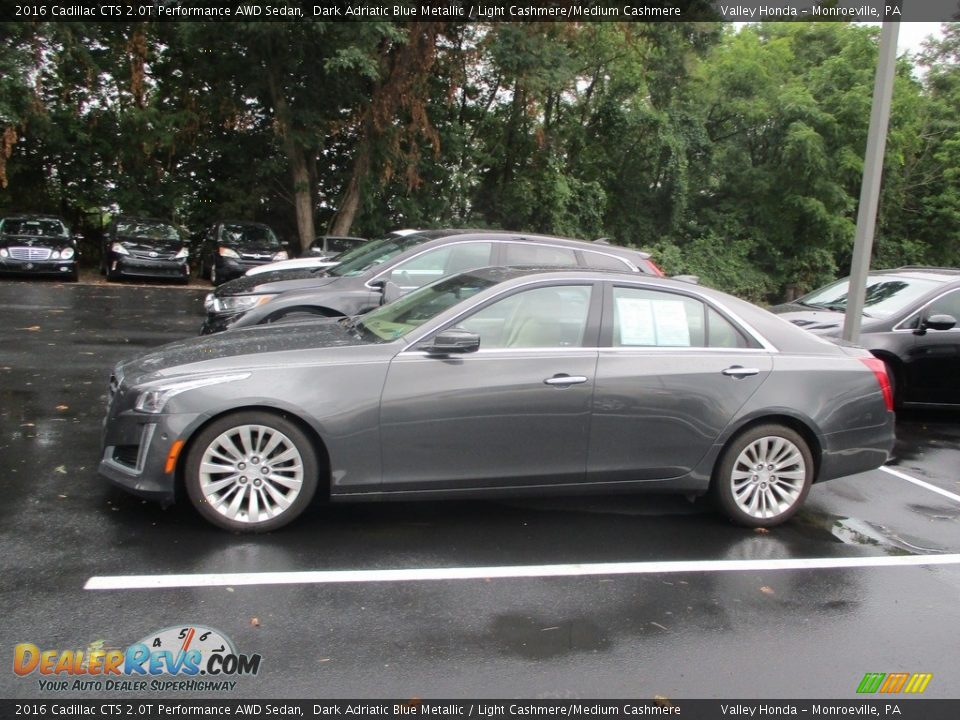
483	10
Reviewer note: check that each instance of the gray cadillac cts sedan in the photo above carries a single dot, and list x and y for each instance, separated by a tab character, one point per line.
495	382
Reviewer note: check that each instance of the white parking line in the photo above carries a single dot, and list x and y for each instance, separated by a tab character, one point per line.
153	582
921	483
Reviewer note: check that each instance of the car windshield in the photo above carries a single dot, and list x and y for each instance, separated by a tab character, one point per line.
147	229
38	228
375	252
886	295
239	234
411	311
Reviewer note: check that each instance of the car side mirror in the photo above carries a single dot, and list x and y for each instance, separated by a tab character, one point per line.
940	321
453	341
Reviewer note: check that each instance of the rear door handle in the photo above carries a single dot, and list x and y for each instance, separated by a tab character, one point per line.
736	371
565	380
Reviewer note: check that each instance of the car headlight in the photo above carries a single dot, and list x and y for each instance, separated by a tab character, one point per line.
208	302
182	254
282	255
119	249
239	303
66	253
55	255
152	398
4	252
228	252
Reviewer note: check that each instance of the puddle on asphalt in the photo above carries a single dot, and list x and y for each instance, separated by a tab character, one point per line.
853	531
543	638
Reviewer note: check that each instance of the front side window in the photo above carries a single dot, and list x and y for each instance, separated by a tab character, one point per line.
548	317
369	255
651	318
949	304
440	262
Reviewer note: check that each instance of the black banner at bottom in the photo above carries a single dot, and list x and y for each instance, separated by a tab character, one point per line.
893	708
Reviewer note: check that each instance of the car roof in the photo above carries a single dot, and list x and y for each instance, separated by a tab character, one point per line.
921	272
32	216
142	218
242	222
574	244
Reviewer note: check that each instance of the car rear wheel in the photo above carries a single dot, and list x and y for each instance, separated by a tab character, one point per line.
251	472
764	476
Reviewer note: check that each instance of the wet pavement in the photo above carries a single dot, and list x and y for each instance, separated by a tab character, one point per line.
755	633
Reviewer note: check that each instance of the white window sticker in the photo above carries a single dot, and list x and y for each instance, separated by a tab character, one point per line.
652	322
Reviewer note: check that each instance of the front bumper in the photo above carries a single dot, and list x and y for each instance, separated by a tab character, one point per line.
231	268
219	322
38	267
135	449
128	266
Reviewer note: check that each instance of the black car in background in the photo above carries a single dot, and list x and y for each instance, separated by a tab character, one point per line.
382	270
38	245
144	247
327	247
230	248
909	321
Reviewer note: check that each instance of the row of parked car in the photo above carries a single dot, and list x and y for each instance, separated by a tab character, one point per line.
137	247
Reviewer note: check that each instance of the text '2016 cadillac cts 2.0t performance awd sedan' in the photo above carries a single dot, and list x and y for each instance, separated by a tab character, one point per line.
501	381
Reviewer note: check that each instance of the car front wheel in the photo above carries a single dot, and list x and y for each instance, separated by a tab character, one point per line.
251	472
764	476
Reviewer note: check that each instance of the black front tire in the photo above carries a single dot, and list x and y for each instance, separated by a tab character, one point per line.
271	476
763	476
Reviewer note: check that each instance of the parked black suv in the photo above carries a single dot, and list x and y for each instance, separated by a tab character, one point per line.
39	245
387	268
230	248
144	247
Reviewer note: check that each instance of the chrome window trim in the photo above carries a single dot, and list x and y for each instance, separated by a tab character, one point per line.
659	349
765	345
919	310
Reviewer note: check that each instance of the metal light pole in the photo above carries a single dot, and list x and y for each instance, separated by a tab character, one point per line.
872	171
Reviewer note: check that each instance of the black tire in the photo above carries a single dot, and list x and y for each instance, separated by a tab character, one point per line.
767	496
240	477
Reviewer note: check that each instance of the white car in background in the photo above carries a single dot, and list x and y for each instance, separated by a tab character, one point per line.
321	256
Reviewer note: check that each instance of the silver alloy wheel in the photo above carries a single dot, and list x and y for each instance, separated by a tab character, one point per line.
768	477
251	473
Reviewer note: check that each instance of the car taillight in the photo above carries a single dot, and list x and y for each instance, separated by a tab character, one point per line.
656	269
880	372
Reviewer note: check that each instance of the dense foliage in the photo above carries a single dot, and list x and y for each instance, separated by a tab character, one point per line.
734	156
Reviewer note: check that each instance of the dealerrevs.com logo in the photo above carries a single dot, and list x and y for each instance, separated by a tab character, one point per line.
187	657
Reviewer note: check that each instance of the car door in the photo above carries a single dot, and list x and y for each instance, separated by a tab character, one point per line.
516	412
671	374
932	363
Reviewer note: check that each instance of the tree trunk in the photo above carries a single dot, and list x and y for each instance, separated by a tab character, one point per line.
350	202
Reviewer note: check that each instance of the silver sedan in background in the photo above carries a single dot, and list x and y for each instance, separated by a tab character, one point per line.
498	382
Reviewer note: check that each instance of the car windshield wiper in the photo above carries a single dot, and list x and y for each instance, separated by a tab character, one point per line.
834	306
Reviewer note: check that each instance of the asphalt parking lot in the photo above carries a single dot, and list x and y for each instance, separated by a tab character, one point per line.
744	621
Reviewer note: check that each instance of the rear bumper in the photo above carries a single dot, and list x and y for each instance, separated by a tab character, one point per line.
854	451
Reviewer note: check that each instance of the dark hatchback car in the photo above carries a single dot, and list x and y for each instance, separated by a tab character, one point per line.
382	270
229	249
145	248
38	245
501	381
909	321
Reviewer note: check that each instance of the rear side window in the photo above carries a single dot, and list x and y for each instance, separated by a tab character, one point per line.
530	254
599	261
650	318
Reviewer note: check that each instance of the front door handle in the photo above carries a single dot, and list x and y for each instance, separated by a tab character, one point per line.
565	380
736	371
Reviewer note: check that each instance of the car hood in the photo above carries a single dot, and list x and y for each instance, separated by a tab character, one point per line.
147	244
225	351
34	240
828	323
275	281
